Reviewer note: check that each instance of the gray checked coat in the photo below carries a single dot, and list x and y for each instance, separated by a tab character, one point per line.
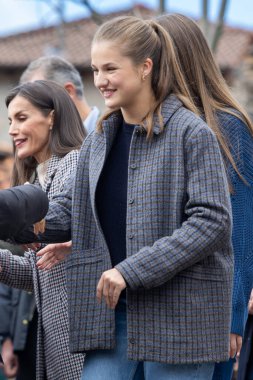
179	264
54	360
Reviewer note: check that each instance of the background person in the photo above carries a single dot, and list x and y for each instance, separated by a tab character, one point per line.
234	131
6	165
18	306
19	206
61	71
47	132
7	294
150	214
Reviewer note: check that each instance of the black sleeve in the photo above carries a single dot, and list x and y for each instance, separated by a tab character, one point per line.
20	207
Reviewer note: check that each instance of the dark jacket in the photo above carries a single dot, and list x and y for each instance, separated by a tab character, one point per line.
20	207
17	309
245	359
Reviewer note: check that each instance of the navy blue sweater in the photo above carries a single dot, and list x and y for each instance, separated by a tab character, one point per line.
241	145
111	195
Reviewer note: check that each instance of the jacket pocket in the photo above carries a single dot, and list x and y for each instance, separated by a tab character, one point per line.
89	256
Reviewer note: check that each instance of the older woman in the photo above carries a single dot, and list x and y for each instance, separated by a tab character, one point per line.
47	133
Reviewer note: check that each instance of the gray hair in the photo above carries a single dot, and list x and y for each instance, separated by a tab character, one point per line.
55	69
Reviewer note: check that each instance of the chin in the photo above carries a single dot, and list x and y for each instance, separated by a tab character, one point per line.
22	155
112	105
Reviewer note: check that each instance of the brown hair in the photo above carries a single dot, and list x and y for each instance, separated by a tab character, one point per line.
205	82
68	131
138	40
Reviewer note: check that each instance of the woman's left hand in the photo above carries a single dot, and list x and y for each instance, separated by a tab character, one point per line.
235	345
110	286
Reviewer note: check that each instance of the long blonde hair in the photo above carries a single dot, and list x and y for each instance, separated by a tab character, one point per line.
139	39
205	82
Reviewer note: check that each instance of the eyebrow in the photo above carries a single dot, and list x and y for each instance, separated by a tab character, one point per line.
105	64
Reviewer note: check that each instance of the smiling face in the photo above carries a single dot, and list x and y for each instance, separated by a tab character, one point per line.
30	129
118	79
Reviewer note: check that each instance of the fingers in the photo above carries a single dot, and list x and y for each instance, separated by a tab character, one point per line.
110	287
100	286
114	297
250	306
47	257
48	250
39	227
239	345
53	254
11	366
33	246
235	345
232	345
46	262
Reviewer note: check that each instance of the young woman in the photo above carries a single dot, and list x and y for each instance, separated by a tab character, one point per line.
234	131
151	223
47	132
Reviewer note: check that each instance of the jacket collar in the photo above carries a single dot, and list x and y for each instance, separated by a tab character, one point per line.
51	170
53	165
169	106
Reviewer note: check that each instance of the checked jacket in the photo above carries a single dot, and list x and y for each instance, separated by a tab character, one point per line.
179	264
54	359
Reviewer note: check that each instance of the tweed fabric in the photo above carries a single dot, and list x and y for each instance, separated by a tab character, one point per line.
179	264
50	292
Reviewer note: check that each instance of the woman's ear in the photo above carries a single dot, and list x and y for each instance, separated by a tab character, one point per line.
147	68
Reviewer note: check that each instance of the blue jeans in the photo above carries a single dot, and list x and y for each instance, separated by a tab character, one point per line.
223	370
114	365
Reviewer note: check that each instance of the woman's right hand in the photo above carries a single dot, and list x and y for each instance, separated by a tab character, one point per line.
53	254
250	305
10	359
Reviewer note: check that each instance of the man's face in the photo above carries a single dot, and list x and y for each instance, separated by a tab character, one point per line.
5	172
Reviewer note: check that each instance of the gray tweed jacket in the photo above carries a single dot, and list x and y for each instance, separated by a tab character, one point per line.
54	359
179	264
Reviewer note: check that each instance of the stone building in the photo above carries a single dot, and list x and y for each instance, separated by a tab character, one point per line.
73	40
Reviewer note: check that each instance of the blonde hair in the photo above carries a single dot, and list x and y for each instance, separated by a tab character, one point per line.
205	82
138	40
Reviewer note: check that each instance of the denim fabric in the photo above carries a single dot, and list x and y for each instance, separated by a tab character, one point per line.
223	370
114	365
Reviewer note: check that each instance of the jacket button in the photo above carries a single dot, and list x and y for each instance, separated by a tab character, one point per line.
130	236
132	340
131	200
133	166
25	322
130	307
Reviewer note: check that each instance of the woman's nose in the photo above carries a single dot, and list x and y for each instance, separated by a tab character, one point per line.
13	129
100	80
